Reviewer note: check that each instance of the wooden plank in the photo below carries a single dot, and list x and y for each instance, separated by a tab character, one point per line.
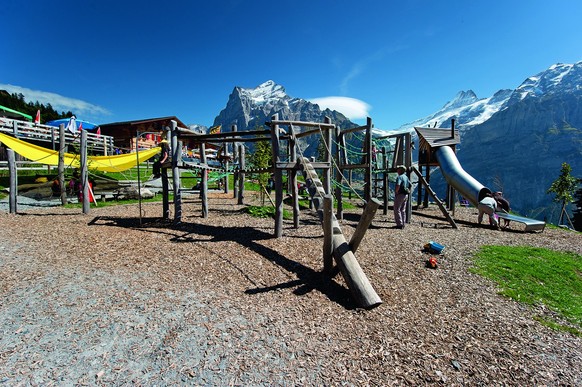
435	197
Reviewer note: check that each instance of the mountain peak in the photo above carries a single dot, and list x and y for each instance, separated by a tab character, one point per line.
266	91
463	98
560	78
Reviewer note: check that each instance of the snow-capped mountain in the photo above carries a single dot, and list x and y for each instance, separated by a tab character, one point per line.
516	140
465	108
250	108
468	110
559	78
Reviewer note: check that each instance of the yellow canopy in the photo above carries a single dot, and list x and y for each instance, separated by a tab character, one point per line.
115	163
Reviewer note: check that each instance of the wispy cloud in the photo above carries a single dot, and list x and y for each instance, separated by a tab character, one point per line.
58	102
350	107
361	65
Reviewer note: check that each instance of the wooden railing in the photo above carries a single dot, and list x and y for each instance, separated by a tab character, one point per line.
28	131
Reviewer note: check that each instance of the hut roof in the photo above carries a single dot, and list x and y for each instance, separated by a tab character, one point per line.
435	137
143	125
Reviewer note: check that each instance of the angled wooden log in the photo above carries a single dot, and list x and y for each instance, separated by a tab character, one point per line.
359	285
364	223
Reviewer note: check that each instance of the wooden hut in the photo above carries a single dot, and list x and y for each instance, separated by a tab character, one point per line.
431	138
124	133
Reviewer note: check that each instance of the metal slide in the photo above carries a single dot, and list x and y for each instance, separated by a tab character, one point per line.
456	176
471	189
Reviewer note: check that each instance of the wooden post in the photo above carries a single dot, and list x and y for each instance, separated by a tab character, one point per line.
277	175
419	188
293	177
339	174
84	172
327	233
364	223
15	128
327	171
241	174
12	200
204	182
165	189
385	181
61	165
225	168
53	142
234	159
176	150
408	164
368	169
426	191
165	195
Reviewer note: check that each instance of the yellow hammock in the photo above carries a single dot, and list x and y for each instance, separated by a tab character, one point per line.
115	163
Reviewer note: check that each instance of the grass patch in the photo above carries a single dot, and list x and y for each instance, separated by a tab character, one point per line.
537	276
266	212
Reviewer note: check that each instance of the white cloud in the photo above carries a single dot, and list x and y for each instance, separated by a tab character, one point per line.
58	102
350	107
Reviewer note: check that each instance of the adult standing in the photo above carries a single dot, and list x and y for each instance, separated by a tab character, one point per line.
401	191
487	205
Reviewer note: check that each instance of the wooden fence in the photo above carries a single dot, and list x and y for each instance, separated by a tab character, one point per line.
39	134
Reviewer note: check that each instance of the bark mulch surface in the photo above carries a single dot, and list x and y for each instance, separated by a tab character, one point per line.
98	299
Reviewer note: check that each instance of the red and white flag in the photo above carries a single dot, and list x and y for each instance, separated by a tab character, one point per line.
98	132
37	118
81	126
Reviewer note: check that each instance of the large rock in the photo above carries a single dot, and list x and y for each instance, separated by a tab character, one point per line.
132	192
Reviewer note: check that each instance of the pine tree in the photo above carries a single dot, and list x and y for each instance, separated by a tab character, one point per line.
563	188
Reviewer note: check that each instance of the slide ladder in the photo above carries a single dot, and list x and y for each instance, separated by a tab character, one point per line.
435	198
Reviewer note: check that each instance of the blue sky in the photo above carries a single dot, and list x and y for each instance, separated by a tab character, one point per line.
395	61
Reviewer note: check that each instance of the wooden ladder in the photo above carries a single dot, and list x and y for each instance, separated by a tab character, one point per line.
436	199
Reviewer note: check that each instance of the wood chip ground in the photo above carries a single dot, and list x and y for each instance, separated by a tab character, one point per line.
98	300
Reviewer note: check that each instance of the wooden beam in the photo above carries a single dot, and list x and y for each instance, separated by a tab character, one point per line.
227	135
299	123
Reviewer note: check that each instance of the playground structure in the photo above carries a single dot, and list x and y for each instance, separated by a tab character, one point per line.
286	142
436	149
373	165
